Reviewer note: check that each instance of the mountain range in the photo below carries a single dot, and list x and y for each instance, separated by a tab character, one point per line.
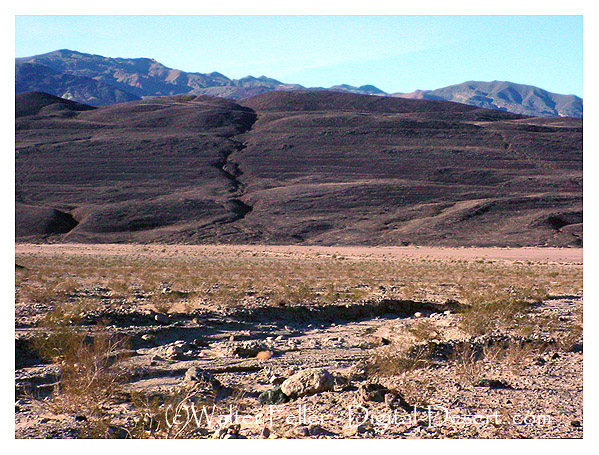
102	81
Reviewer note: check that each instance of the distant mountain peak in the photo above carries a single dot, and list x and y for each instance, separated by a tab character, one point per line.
507	96
97	80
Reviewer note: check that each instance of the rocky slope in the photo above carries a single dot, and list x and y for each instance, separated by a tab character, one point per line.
296	167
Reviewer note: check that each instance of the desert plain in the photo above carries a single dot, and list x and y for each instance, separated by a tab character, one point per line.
234	341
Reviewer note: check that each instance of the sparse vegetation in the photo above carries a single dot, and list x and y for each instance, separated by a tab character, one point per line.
70	299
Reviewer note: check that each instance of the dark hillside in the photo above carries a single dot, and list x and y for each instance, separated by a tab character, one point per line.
300	167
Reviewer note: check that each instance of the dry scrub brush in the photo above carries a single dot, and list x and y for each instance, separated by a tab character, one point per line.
92	370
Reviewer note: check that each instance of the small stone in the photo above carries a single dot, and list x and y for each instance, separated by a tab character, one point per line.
576	423
148	337
264	355
249	349
276	380
273	396
301	430
576	347
317	430
379	341
492	384
366	430
173	352
292	343
195	321
418	314
232	338
279	338
162	318
195	374
199	343
379	393
265	433
373	392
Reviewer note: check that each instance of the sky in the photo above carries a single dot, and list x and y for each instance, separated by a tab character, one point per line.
394	53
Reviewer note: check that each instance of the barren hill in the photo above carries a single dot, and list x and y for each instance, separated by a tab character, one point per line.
299	167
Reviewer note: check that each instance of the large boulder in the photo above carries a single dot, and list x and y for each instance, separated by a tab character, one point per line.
308	382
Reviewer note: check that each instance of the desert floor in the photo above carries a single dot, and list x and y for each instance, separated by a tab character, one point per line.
157	341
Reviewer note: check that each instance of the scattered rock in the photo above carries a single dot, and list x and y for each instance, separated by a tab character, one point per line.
379	341
577	347
381	394
248	349
313	343
199	343
276	380
299	431
365	430
395	400
492	384
373	392
265	433
273	396
155	359
195	374
227	432
292	344
149	337
162	318
173	352
576	423
308	382
117	432
264	355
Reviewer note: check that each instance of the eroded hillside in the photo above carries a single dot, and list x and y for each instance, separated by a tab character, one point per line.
296	167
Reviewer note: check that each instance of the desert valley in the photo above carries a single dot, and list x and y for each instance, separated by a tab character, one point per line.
292	263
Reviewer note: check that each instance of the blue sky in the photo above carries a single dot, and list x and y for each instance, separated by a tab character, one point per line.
394	53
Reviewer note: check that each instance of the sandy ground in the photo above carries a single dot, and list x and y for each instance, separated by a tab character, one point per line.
564	255
530	376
